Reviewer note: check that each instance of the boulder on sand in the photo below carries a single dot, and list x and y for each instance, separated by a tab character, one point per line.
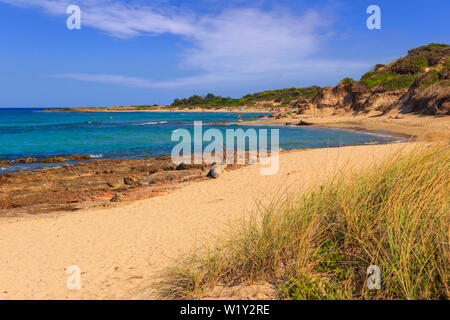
216	171
26	160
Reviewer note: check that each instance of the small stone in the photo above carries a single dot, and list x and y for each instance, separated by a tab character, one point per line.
117	198
216	171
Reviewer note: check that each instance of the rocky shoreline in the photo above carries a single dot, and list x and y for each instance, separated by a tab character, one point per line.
96	183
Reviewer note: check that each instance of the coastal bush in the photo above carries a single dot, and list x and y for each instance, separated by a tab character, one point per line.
378	67
434	52
391	81
429	78
319	245
284	96
446	64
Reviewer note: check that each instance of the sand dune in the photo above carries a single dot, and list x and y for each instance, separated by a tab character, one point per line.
122	251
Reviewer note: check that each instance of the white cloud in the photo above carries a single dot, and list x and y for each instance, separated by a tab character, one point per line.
236	44
139	82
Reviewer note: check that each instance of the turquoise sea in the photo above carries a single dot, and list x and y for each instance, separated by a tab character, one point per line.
26	133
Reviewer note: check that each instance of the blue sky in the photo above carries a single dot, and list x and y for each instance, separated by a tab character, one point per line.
150	52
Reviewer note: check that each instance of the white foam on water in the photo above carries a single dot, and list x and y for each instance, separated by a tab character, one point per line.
150	123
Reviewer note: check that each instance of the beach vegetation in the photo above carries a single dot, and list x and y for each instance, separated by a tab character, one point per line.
347	80
429	78
391	81
410	65
282	96
318	245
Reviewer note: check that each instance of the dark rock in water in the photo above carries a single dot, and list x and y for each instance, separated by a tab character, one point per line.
80	157
276	115
26	160
216	171
5	163
239	116
54	160
117	198
303	123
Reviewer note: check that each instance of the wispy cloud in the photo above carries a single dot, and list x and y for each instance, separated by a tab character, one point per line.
139	82
233	45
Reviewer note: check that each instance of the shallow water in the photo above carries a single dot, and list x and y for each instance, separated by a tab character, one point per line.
25	133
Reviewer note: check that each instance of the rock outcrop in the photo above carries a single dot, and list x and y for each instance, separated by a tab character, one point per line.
80	157
54	160
418	83
26	160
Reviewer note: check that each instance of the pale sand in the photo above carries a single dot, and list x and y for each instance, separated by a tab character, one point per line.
427	128
121	251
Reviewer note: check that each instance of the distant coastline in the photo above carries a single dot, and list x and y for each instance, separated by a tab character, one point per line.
153	109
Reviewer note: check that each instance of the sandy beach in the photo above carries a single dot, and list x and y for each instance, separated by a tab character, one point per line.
273	151
122	251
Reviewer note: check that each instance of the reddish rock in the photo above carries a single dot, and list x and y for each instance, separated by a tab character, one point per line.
80	157
26	160
54	160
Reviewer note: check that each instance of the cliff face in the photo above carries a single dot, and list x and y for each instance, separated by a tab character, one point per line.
417	83
432	100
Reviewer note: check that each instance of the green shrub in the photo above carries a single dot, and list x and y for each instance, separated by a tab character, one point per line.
433	47
378	67
284	96
391	81
446	64
430	78
347	80
410	65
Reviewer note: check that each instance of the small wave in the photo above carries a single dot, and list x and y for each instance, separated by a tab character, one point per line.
151	123
96	155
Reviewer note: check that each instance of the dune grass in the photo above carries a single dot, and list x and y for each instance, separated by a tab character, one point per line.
319	245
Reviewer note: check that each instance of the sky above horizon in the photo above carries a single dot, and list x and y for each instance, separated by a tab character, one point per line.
140	52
